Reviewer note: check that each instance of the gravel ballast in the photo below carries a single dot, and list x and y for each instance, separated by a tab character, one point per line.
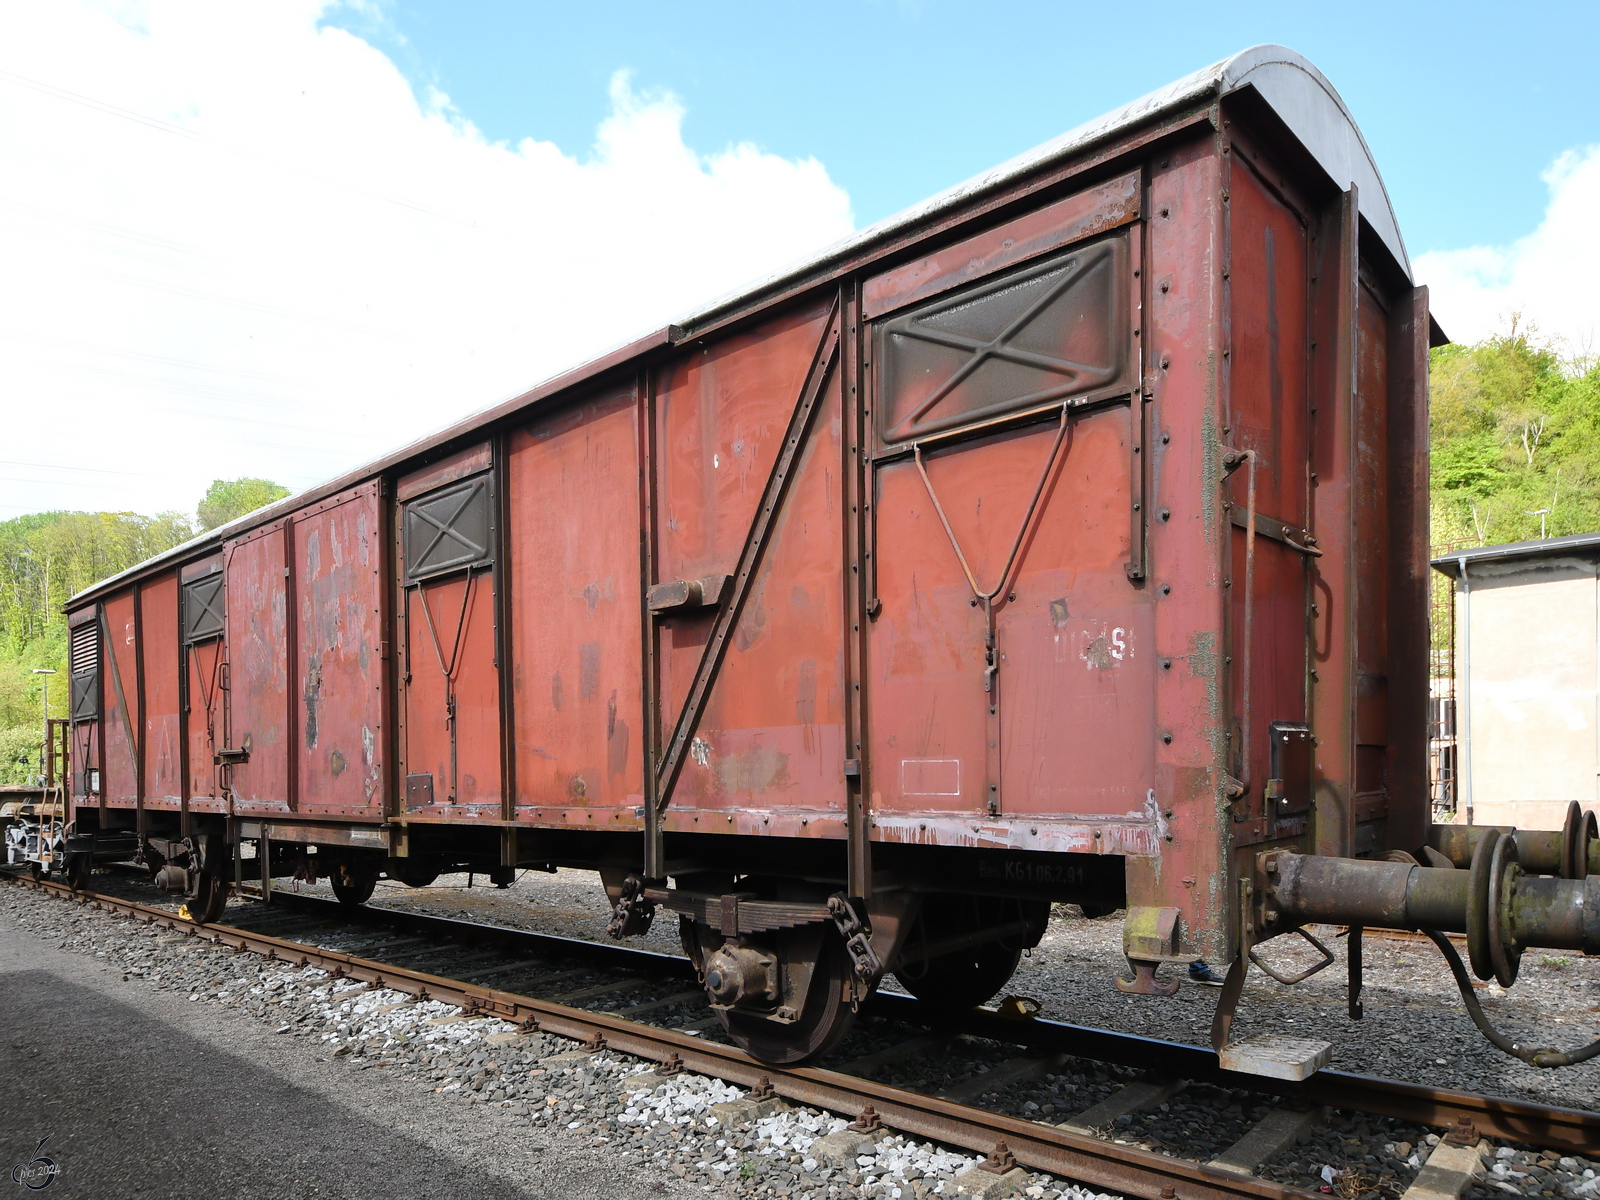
1412	1022
412	1094
1415	1027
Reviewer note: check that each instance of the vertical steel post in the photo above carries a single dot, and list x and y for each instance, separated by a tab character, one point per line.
500	582
138	690
655	854
1464	709
291	637
856	428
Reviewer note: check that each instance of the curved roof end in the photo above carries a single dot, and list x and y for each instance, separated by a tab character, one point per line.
1299	93
1307	103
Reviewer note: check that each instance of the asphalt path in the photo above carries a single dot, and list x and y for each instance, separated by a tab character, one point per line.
136	1092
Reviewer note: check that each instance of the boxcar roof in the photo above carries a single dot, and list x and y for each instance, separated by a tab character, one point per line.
1295	90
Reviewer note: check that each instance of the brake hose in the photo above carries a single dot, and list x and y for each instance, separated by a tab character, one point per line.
1546	1056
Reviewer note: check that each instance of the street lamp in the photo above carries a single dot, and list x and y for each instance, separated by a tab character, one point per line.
44	747
1541	513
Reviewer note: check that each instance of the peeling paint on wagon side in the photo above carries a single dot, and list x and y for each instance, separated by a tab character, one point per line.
996	599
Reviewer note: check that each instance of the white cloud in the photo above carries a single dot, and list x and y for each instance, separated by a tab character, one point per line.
236	243
1547	276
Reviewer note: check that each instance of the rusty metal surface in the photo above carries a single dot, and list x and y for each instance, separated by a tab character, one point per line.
338	685
451	693
120	717
1408	490
1373	560
770	732
1004	595
471	461
1075	662
159	651
1081	215
1183	357
1276	80
1017	339
204	718
256	696
1268	412
575	615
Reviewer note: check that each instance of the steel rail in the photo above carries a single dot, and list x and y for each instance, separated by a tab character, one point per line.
1104	1165
1550	1127
1564	1129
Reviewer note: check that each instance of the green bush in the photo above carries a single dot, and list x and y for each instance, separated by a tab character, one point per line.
19	753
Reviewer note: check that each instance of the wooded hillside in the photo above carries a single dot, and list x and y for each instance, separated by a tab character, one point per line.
1515	430
47	557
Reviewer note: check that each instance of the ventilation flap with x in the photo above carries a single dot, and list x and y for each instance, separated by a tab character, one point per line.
1050	330
449	530
203	609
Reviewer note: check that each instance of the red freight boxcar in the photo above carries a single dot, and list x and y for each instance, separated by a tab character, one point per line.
1060	539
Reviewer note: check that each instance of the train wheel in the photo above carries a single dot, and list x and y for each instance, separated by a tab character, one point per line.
824	1019
79	867
211	897
352	888
963	980
412	874
967	975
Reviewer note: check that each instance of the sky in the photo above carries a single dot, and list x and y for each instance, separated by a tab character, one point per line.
280	238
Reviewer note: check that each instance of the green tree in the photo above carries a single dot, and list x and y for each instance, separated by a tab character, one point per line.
1515	438
45	558
229	499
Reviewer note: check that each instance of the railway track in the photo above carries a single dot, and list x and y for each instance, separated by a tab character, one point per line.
391	948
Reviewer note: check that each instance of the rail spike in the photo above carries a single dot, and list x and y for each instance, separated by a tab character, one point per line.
1000	1161
868	1121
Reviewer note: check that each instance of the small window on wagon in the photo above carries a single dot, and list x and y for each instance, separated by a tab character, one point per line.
203	609
1029	337
451	529
83	661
